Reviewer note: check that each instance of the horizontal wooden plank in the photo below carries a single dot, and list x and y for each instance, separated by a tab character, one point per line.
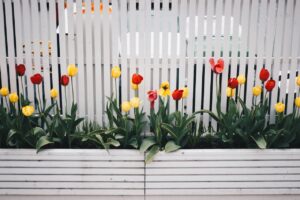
74	197
107	171
194	171
79	178
221	185
71	164
190	192
227	197
72	185
87	192
234	163
220	177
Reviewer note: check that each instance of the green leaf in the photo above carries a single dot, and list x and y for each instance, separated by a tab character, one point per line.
169	129
43	141
38	131
171	146
113	142
133	142
147	142
260	141
150	154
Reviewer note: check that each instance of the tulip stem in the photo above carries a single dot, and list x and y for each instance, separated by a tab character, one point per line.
116	88
72	90
66	99
7	104
40	102
182	106
23	91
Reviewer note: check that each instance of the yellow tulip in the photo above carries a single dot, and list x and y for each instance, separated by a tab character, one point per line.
27	110
134	86
13	97
186	92
164	89
125	106
4	91
279	107
135	102
230	92
72	70
298	80
116	72
241	79
297	102
256	90
53	93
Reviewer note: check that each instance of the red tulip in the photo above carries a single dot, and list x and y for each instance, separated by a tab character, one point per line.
177	94
270	84
137	79
233	83
36	78
152	96
64	80
264	74
217	67
20	69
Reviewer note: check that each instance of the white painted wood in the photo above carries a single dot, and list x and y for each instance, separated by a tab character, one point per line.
4	75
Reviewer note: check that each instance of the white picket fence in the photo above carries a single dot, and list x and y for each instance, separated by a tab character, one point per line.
161	39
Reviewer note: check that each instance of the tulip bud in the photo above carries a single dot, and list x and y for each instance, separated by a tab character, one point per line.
264	74
116	72
241	79
4	91
72	70
125	106
186	92
13	97
297	102
53	93
27	110
230	92
298	80
135	102
256	90
279	107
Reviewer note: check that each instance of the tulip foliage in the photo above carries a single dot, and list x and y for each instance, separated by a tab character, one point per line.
35	123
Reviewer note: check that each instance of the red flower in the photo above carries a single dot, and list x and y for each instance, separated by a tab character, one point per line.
36	78
152	96
20	69
177	94
64	80
270	84
217	67
233	83
137	79
264	74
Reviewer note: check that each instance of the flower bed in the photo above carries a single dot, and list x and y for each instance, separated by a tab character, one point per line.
122	174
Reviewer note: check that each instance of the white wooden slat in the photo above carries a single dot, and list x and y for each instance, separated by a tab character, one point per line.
98	63
53	39
222	197
63	53
45	50
26	20
124	53
106	52
226	52
19	39
132	33
72	197
237	191
251	49
89	68
173	46
286	51
80	59
191	52
208	53
87	192
10	45
4	75
183	47
165	40
71	42
295	49
155	45
72	185
73	178
277	53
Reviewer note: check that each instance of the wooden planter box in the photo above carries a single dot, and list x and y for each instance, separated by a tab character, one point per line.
122	174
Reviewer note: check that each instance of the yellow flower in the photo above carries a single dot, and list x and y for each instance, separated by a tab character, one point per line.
256	90
116	72
125	106
135	102
186	92
297	102
13	97
27	110
53	93
134	86
298	80
230	92
4	91
164	89
241	79
72	70
279	107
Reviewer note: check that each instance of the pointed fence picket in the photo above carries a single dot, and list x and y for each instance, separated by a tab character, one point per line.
164	40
